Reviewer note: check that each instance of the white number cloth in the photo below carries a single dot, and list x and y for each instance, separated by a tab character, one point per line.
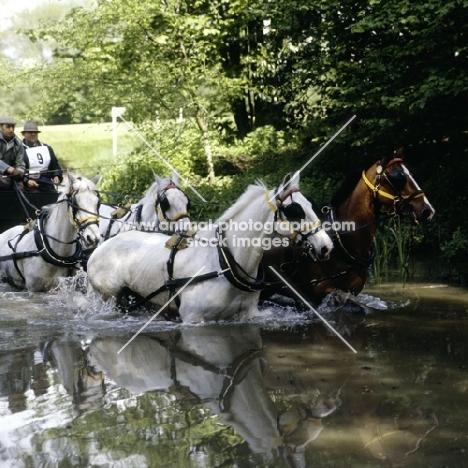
39	160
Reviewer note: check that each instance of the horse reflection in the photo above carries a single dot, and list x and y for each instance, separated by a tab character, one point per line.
221	368
82	381
27	370
15	377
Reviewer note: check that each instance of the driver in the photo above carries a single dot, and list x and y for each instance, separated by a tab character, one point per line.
44	170
12	166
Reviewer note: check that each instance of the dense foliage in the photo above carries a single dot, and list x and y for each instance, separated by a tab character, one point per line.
264	84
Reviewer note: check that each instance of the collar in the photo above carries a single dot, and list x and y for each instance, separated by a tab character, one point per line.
15	140
38	143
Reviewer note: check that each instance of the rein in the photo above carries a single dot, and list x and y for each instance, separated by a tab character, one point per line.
45	250
121	218
162	204
329	211
24	201
230	268
233	271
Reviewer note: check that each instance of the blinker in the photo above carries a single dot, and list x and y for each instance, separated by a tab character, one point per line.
397	179
293	212
163	202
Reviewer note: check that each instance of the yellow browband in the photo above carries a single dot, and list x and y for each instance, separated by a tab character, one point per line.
267	198
378	191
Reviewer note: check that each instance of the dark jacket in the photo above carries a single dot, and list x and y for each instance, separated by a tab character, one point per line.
12	157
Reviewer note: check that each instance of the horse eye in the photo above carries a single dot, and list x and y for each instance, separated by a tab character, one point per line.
397	179
293	212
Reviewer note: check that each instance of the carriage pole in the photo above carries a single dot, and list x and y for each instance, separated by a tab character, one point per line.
272	199
327	143
161	309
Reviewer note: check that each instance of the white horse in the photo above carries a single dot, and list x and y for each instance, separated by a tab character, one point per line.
230	255
35	259
164	207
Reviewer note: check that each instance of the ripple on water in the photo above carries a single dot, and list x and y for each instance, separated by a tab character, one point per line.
68	308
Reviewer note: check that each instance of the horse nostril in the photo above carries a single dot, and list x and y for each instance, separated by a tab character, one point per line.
325	251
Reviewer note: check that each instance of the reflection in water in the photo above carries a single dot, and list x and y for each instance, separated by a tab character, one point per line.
242	395
78	377
221	369
14	377
352	385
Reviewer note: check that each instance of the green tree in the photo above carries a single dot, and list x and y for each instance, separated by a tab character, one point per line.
398	65
146	56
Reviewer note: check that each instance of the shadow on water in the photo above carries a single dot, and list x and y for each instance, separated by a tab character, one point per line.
279	392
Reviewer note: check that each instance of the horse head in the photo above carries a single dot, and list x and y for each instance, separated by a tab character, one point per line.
396	189
170	202
83	201
295	217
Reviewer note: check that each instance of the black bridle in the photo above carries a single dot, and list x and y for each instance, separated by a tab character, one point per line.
396	180
163	205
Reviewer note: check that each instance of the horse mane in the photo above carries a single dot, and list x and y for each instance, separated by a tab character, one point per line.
80	183
347	186
244	201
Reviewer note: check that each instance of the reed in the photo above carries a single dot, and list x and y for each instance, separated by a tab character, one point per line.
392	243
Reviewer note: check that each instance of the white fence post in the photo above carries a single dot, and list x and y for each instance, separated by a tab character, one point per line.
116	112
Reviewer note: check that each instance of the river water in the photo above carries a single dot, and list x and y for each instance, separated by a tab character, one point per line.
278	390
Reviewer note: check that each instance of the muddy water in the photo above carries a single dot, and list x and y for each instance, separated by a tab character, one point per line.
278	390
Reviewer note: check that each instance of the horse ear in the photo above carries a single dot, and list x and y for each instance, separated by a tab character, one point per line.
175	177
390	154
71	179
290	182
295	180
96	178
286	181
399	153
156	177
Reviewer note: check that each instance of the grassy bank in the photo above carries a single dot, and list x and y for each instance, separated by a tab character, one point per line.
87	148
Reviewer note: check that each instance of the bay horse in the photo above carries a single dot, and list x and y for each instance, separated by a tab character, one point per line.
229	252
164	207
386	185
35	258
